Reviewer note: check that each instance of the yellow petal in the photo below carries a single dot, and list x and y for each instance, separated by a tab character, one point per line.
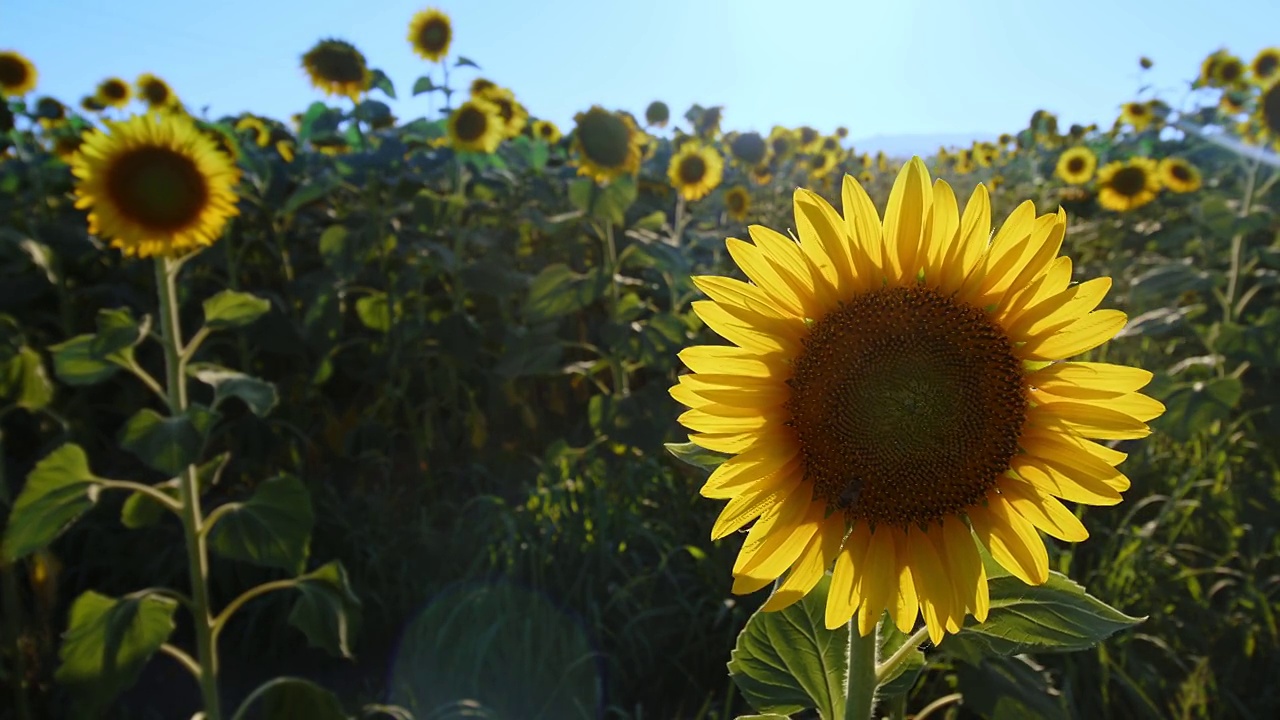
932	587
726	442
1040	245
778	537
724	419
746	584
728	291
904	218
863	221
845	594
1057	377
879	578
696	390
1054	281
729	360
765	276
1084	334
825	240
1063	482
1135	405
1088	421
1046	241
1102	452
975	232
941	230
748	506
964	567
792	265
753	465
810	567
1012	541
1059	311
1043	510
740	328
904	605
1008	239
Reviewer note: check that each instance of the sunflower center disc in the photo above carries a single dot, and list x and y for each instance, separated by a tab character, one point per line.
1075	165
155	93
434	35
1129	181
338	64
158	189
1180	172
12	72
604	139
471	124
114	90
907	406
1266	66
692	169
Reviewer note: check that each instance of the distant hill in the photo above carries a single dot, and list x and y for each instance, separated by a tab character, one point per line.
904	146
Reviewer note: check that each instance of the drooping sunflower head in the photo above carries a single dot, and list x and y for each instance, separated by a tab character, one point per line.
782	142
1267	116
223	139
547	131
606	144
695	170
430	33
897	393
842	132
17	74
1005	140
1179	175
50	111
749	148
155	92
113	92
155	185
657	114
336	67
737	202
706	121
1076	165
476	126
1265	68
514	115
1127	185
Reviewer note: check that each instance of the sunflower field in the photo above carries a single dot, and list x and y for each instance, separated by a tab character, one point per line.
474	416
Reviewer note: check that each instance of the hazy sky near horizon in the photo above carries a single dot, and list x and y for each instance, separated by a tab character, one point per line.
879	68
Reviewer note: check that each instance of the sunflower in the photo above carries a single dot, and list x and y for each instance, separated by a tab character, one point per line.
808	140
1208	68
1232	102
155	185
155	92
514	115
336	67
1265	68
842	132
17	74
1229	71
480	85
1178	175
737	202
897	393
254	125
1267	116
333	146
1124	186
657	114
749	149
223	139
695	170
66	145
476	126
546	130
113	92
1076	165
606	144
1137	114
820	164
430	33
51	112
866	177
782	142
882	161
89	103
761	174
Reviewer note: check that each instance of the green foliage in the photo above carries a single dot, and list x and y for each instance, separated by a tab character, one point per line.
272	528
290	697
327	610
167	444
57	492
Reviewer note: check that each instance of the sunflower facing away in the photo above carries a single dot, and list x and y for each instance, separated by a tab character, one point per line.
546	130
1267	116
336	67
155	185
782	143
476	126
155	92
113	92
606	144
17	75
430	33
1124	186
897	392
1178	175
737	202
657	114
1265	68
1076	165
695	170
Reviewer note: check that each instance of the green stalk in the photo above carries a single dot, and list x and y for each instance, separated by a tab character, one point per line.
189	491
860	685
1237	242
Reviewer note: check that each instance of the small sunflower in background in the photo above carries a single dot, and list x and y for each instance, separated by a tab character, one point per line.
882	162
737	202
1076	165
749	148
657	114
223	139
866	177
480	86
430	33
51	112
1232	102
89	103
1229	71
331	146
782	143
1136	114
546	130
1128	185
155	185
66	145
606	144
336	67
695	170
830	144
1265	68
155	92
820	164
1267	116
1208	68
808	140
476	126
17	74
113	92
285	144
761	174
1178	175
842	132
514	115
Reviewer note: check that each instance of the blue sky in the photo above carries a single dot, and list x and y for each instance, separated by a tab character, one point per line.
877	67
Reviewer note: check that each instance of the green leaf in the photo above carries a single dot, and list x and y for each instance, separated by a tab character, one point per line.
1009	689
558	291
1058	616
766	716
286	698
608	203
423	85
24	379
312	191
232	309
259	395
333	243
466	62
108	641
75	363
58	491
118	330
378	80
374	311
695	455
168	444
141	510
787	661
1192	408
272	528
327	612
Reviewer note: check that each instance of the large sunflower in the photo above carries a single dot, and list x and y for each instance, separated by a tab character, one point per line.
476	126
17	74
1178	175
1136	114
896	393
155	185
606	144
695	170
155	92
1124	186
1076	165
1265	68
113	92
737	201
430	33
336	67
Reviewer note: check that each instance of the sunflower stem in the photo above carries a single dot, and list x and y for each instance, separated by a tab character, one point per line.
188	492
1237	242
860	685
885	669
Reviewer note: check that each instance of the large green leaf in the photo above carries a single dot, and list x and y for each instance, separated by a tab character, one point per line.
788	660
108	641
57	492
1012	688
232	309
75	363
118	330
272	528
608	203
327	611
23	378
168	444
287	698
1192	408
696	455
558	291
259	395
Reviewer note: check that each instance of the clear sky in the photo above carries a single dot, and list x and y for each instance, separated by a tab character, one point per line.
879	67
